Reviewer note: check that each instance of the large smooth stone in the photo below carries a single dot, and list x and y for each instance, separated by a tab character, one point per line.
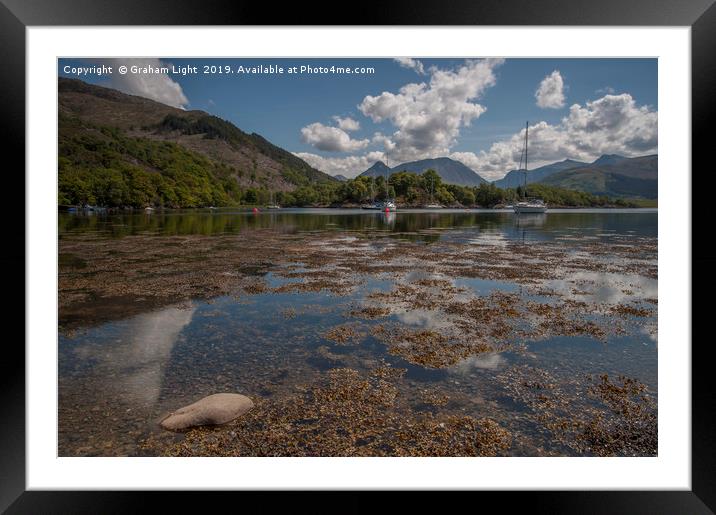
216	409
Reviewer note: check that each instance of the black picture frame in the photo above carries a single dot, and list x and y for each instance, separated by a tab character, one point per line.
700	15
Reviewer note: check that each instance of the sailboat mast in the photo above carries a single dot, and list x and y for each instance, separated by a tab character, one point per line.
527	131
387	177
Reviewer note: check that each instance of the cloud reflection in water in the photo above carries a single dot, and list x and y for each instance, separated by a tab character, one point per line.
134	366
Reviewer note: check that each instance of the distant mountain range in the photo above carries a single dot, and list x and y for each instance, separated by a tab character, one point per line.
516	178
451	171
610	174
615	176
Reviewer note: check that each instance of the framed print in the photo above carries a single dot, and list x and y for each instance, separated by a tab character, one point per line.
385	256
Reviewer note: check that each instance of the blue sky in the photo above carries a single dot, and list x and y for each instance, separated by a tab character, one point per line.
471	110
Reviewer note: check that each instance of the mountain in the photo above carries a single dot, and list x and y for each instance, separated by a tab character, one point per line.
644	167
119	149
340	177
516	178
451	171
379	169
608	159
614	176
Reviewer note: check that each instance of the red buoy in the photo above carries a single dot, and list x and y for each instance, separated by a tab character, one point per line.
255	210
387	210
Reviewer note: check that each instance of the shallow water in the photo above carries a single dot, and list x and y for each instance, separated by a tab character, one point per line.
118	375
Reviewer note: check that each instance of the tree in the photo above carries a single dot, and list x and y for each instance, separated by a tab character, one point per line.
468	198
251	196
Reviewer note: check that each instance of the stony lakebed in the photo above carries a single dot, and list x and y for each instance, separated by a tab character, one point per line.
417	333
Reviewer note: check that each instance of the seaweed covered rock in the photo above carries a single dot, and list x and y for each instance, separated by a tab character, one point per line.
216	409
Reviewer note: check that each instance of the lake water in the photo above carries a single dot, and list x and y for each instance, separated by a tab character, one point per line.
158	310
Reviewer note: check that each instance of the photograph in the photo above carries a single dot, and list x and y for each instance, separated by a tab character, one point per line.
357	257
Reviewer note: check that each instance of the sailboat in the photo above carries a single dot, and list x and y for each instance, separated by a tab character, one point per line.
272	205
371	204
432	204
388	204
528	205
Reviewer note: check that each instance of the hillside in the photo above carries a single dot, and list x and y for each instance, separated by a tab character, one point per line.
450	171
610	174
118	149
608	159
624	177
644	167
516	178
379	169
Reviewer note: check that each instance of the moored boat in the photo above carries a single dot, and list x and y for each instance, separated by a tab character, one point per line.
432	204
272	204
388	204
528	205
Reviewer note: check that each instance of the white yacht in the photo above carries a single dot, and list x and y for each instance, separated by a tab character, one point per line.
528	204
432	204
272	204
380	206
388	204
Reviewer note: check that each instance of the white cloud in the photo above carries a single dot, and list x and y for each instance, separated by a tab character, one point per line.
154	86
347	123
413	64
347	166
550	94
381	139
612	124
606	89
429	116
331	139
490	165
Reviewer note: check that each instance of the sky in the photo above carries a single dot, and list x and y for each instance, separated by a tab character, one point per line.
405	109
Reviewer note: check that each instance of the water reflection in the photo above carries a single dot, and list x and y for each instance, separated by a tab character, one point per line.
609	288
530	219
183	222
389	218
265	344
488	361
142	349
490	239
650	330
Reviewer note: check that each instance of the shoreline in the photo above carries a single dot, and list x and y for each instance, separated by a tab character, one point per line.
264	209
